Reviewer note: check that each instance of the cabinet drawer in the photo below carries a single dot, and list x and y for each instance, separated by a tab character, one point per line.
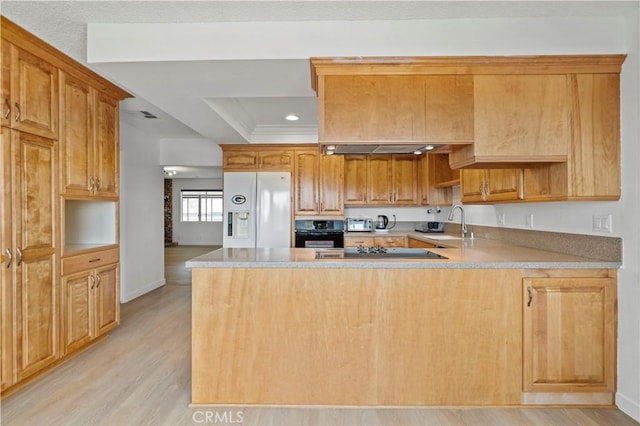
390	241
84	262
358	241
415	243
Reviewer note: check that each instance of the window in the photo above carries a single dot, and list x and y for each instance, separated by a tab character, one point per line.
201	206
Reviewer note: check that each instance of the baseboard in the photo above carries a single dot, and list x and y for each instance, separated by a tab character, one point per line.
139	292
629	407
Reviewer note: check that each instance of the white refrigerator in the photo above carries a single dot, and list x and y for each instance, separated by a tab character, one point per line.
257	210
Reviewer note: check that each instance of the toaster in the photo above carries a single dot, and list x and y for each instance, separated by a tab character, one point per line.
359	225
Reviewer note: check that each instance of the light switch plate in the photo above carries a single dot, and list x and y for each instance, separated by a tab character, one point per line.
602	223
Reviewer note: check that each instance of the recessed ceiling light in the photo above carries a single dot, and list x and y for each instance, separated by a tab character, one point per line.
331	147
292	117
429	147
417	152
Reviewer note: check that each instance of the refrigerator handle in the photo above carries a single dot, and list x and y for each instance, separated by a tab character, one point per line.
230	224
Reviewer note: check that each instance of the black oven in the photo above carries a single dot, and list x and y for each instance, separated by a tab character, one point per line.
319	239
319	233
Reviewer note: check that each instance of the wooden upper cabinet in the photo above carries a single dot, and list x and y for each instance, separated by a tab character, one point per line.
318	183
240	160
380	184
396	108
282	159
372	108
490	185
405	180
30	97
76	142
89	140
436	180
518	119
257	158
569	338
355	180
106	152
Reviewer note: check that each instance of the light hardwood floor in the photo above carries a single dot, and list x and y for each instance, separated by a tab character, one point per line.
141	375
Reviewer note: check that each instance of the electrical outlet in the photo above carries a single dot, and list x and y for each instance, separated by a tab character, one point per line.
602	223
528	219
500	218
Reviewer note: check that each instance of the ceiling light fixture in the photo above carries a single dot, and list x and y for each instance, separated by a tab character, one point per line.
417	152
429	147
292	117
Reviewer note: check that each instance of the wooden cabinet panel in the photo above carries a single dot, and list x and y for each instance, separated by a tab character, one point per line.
106	159
449	108
306	182
34	216
77	299
107	294
415	243
380	184
275	159
436	179
319	183
240	160
490	185
405	180
33	92
87	261
372	107
91	305
358	241
390	241
5	75
569	335
7	251
355	180
76	144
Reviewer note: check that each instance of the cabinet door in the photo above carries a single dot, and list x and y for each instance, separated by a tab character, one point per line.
405	180
380	184
569	334
358	241
77	310
306	182
415	243
278	160
503	184
372	108
390	241
331	185
240	160
523	117
472	185
76	136
34	94
106	157
355	180
5	76
436	180
34	212
107	298
6	265
449	108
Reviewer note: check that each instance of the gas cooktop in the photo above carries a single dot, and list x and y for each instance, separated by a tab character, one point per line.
378	252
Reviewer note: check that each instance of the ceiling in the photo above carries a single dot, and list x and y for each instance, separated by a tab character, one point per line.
238	86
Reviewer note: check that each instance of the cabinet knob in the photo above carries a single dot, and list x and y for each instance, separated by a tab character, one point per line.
530	296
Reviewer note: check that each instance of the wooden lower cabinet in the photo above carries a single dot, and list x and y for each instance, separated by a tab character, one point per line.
569	339
415	243
390	241
90	305
358	241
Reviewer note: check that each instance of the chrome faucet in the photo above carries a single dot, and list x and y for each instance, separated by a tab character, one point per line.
462	222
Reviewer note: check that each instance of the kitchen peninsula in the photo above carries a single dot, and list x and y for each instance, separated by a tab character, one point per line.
493	324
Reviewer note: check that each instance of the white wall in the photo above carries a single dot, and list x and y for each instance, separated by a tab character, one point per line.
141	213
190	233
189	152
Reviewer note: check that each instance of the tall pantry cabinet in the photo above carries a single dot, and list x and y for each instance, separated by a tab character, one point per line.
59	156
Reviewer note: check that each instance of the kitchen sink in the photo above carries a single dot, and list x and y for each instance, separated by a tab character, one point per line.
377	253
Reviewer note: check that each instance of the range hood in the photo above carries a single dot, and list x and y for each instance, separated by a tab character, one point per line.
375	148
